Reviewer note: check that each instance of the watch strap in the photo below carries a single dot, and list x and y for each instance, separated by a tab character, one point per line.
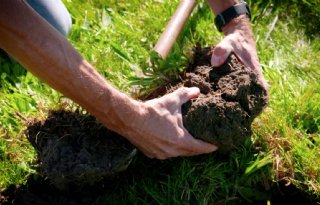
232	12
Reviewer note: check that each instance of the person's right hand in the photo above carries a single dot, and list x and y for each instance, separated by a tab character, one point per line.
159	131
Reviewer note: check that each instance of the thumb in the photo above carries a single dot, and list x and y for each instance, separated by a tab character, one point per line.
178	97
220	53
185	94
201	147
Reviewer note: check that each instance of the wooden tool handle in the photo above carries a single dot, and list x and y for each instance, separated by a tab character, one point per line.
174	27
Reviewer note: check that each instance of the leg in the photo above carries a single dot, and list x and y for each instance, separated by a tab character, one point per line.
54	12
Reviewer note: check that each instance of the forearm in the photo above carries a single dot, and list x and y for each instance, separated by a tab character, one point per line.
155	126
49	56
218	6
240	24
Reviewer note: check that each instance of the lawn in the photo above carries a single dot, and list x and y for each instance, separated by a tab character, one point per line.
117	37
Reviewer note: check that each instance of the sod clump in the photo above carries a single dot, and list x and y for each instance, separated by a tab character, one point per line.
232	96
75	150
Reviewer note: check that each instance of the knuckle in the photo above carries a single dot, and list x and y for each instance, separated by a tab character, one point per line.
217	50
170	153
161	103
183	90
147	154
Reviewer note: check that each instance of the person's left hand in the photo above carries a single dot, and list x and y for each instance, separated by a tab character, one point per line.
239	40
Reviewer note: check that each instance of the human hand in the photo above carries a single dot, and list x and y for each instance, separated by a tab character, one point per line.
239	39
159	131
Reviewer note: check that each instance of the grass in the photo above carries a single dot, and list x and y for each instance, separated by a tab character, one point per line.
118	36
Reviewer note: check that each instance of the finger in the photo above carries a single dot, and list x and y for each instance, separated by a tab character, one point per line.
265	84
247	56
181	96
146	152
221	53
199	147
184	94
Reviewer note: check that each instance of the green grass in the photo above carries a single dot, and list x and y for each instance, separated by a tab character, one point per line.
117	37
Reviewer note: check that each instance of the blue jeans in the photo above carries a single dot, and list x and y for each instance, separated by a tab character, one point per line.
54	12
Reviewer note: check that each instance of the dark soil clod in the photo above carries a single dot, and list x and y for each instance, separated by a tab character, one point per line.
75	150
231	97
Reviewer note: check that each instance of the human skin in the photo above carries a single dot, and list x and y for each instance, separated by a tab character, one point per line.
155	126
238	38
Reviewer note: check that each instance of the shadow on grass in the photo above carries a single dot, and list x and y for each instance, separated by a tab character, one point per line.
39	191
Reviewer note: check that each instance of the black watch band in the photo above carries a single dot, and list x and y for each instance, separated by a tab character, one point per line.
232	12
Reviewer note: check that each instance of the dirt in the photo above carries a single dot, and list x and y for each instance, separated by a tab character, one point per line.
75	150
39	191
232	96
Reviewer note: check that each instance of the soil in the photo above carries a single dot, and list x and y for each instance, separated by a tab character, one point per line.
75	150
232	96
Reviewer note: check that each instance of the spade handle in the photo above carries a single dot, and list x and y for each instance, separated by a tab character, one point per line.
174	27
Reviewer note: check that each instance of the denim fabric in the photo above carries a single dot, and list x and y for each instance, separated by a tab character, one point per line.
54	12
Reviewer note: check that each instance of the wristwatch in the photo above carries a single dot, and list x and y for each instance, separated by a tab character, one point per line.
230	13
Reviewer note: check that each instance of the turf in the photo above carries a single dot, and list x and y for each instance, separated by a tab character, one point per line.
117	37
